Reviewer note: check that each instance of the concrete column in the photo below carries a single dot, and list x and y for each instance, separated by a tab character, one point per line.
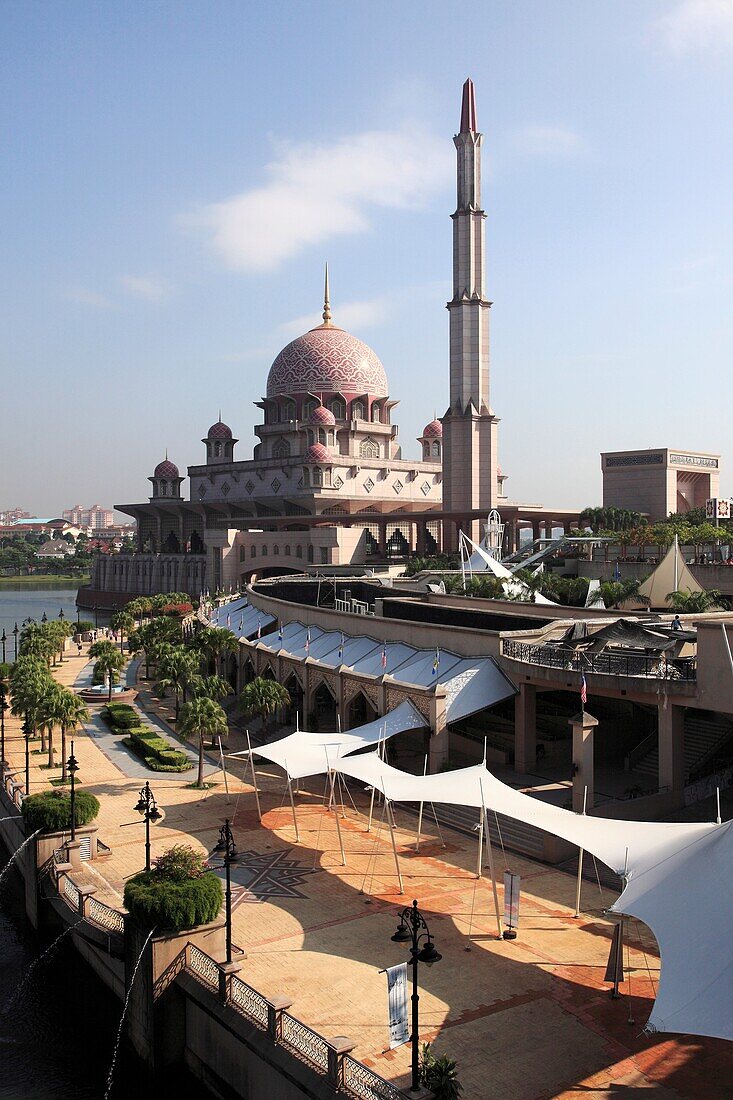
525	729
438	753
536	530
548	528
583	725
671	725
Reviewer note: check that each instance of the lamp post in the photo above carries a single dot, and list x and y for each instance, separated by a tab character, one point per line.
226	847
72	766
412	929
3	708
4	640
27	733
44	617
96	617
15	635
61	614
146	806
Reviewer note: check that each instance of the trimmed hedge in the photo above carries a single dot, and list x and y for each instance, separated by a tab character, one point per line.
120	716
158	754
50	811
171	902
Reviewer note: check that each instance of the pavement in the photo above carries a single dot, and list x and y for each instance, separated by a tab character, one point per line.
528	1019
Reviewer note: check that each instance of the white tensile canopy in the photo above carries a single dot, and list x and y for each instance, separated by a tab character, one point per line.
671	575
480	561
241	618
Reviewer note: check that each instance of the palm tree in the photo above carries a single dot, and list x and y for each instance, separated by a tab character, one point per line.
123	622
212	687
200	717
71	712
29	682
50	714
615	593
108	665
264	698
214	641
178	670
694	603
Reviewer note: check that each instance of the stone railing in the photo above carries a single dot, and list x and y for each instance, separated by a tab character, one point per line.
105	916
329	1057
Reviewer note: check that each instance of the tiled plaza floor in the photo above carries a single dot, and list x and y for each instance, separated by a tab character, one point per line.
527	1020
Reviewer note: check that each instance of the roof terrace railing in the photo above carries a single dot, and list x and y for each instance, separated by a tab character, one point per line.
657	667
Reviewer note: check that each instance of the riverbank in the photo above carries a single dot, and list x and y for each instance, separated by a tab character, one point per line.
44	580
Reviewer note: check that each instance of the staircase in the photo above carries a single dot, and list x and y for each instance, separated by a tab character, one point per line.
705	736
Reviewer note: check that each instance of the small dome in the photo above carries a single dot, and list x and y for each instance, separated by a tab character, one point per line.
323	416
317	453
166	469
219	431
433	430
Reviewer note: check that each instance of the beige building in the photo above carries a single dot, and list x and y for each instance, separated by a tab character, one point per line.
659	481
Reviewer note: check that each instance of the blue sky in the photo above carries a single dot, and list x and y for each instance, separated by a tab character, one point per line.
175	175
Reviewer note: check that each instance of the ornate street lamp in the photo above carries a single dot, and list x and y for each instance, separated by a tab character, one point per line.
72	766
4	640
44	617
27	733
146	806
3	708
226	847
61	613
15	635
412	929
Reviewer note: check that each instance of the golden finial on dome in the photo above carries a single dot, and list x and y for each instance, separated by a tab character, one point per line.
326	302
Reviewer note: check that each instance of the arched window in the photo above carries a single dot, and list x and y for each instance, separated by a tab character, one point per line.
322	437
273	414
306	477
287	550
276	550
289	411
308	407
253	551
299	551
241	553
264	551
338	408
436	449
163	488
369	449
281	449
310	553
376	414
318	476
217	450
357	410
426	451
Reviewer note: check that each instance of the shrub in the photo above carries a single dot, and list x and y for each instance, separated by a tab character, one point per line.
440	1075
120	716
83	627
158	754
179	892
51	810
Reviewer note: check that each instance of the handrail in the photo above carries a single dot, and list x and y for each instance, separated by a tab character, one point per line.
605	664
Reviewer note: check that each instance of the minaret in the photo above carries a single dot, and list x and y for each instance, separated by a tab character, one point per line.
469	426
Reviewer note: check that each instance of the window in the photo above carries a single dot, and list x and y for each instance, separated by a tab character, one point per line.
308	407
357	410
436	449
217	450
241	553
281	449
338	408
368	449
253	551
273	414
299	551
318	476
287	550
306	479
264	551
426	451
376	417
310	554
289	412
276	550
324	555
163	488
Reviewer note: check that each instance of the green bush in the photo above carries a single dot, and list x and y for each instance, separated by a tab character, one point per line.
179	892
158	754
51	810
120	716
83	627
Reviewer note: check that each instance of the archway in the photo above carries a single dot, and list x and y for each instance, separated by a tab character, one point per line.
297	697
231	671
360	711
248	672
323	715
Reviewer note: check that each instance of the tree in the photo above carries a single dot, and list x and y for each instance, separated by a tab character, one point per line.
108	666
616	593
212	687
177	670
123	622
71	711
200	717
49	714
29	682
214	641
695	603
264	698
36	642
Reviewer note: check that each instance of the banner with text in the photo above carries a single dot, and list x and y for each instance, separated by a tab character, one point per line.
511	899
399	1028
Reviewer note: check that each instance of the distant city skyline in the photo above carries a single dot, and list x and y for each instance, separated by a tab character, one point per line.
176	177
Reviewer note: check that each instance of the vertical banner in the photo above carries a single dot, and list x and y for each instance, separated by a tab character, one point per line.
399	1028
615	967
511	902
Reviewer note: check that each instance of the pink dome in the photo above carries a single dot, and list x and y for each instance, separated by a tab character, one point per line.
323	416
327	359
433	430
219	431
166	469
317	453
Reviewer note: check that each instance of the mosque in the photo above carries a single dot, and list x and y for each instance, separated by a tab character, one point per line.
327	484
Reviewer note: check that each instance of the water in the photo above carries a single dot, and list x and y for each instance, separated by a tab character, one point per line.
58	1038
23	601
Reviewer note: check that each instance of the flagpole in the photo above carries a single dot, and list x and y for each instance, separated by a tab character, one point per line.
254	778
580	862
419	815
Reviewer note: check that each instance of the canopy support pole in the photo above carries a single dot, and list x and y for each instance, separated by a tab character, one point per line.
492	869
331	802
371	810
390	815
480	829
580	863
419	813
254	778
292	803
437	824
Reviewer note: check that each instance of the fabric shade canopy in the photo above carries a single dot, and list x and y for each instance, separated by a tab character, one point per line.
241	618
303	753
671	575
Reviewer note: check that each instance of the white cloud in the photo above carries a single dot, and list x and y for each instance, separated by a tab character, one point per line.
317	192
698	25
83	297
142	286
547	141
351	315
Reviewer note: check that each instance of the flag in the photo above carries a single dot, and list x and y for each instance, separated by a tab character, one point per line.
384	655
308	640
229	619
241	623
583	690
259	629
280	634
341	647
436	662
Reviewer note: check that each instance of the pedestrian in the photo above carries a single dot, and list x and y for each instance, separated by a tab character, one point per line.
78	648
676	624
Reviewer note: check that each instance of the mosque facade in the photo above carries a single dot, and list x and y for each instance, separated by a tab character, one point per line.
327	484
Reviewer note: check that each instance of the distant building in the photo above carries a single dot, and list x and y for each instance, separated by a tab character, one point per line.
95	517
55	549
659	481
13	515
35	526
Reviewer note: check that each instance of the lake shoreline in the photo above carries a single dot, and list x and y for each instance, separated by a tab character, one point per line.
50	580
